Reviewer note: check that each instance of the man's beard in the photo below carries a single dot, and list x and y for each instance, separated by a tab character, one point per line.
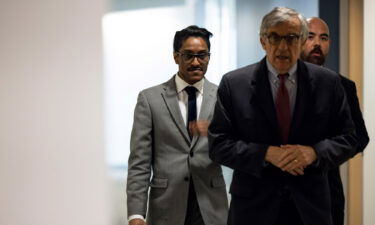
318	60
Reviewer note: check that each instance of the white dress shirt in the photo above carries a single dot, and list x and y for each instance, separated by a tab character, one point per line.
183	96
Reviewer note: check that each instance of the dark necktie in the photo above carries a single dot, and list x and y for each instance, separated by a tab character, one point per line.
192	105
283	108
193	215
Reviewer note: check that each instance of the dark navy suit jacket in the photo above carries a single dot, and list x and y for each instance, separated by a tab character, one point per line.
245	125
335	183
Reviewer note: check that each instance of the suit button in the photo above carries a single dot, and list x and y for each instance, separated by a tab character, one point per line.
191	154
186	178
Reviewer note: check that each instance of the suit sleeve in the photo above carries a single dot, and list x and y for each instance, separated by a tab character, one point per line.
140	159
224	145
342	142
355	110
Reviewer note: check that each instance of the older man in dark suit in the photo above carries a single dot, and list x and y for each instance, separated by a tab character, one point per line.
281	124
315	51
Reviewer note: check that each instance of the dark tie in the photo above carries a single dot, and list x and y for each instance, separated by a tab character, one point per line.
193	215
192	105
283	108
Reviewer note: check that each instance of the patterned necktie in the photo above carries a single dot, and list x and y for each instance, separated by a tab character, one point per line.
192	106
283	108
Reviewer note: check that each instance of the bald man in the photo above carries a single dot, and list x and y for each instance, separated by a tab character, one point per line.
315	51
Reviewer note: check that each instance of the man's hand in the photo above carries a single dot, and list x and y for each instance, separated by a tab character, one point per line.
275	155
296	157
137	222
199	127
291	158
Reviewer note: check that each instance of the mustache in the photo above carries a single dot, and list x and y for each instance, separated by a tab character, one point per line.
316	49
192	68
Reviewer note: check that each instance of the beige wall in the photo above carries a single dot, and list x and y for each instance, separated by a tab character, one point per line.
52	165
355	68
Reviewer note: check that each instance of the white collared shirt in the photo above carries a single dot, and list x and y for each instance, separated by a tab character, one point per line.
183	96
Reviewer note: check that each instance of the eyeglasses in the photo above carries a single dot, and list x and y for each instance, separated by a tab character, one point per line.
189	57
275	39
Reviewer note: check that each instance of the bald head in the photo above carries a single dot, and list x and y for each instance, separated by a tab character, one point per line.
318	24
316	47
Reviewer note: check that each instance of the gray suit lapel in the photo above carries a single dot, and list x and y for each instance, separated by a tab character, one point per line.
171	101
208	100
209	92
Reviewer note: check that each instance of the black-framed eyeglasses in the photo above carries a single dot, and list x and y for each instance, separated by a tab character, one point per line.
189	57
275	39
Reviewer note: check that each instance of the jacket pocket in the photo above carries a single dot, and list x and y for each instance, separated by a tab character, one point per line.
159	182
158	188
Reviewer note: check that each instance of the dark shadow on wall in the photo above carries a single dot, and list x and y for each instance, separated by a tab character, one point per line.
329	11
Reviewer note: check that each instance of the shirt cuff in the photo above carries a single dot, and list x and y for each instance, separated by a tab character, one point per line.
136	216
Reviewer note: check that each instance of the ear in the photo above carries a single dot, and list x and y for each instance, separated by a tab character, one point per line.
176	59
263	42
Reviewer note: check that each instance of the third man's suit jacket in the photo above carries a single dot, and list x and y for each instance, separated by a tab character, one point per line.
335	183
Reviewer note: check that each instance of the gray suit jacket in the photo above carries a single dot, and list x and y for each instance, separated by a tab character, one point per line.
162	158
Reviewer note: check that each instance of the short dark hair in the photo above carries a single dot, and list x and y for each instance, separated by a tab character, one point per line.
191	31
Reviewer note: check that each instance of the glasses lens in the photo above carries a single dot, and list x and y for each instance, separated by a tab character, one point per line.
291	39
203	56
187	56
274	39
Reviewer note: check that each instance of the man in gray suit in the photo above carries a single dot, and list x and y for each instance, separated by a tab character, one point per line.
170	176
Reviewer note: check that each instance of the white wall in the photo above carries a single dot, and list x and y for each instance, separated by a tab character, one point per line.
369	112
52	167
137	55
